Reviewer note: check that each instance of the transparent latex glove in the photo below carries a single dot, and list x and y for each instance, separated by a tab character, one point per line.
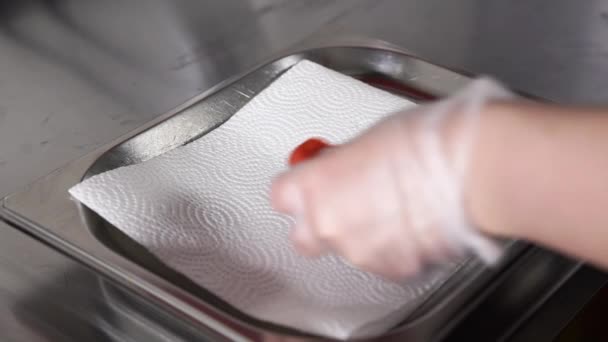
391	201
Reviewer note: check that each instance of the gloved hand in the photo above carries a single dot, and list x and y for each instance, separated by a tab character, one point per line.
393	199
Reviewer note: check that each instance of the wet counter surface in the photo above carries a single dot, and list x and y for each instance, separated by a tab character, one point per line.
77	74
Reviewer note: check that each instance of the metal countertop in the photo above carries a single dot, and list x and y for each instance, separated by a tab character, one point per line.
77	74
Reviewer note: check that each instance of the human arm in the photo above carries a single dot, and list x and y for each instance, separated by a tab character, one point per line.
399	196
540	173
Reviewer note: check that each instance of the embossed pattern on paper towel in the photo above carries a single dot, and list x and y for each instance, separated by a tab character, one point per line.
204	210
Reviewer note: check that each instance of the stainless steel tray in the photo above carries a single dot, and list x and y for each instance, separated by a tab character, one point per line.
46	210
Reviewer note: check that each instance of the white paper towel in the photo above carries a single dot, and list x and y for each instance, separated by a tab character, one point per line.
203	209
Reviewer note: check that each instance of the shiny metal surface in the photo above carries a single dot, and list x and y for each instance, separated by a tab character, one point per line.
76	74
45	209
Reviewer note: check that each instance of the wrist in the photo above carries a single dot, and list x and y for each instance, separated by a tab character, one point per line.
489	182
